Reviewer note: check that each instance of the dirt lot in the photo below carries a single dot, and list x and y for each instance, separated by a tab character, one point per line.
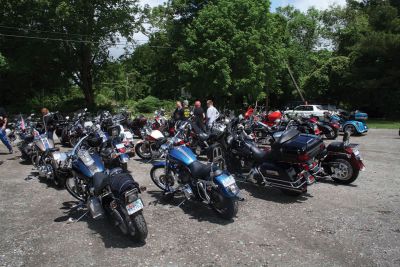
332	225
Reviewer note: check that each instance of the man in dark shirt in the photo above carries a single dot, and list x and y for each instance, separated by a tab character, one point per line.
48	123
178	113
199	116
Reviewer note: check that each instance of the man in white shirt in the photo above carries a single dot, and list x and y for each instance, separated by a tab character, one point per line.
212	114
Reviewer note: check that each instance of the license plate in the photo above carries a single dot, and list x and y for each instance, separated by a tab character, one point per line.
119	146
134	206
228	181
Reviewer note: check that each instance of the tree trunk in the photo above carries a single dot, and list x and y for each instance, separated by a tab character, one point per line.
86	75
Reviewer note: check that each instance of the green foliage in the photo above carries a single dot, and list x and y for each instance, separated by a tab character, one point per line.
151	103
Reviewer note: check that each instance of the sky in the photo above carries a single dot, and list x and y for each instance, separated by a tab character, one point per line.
303	5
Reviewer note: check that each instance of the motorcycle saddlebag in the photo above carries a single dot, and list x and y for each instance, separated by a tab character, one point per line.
280	174
300	145
121	183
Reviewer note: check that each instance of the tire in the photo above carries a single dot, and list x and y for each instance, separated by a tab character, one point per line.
332	135
156	180
63	138
226	208
140	227
140	153
351	129
71	191
346	173
124	166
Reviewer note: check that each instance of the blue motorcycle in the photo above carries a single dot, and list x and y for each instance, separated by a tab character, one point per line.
181	172
113	192
354	122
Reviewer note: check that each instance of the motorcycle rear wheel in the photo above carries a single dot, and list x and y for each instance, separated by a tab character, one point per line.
140	225
344	173
226	208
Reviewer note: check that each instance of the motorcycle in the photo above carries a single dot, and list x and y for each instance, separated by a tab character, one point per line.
284	166
343	162
75	129
112	193
181	172
149	147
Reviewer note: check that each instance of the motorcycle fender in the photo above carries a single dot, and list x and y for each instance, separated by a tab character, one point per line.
159	163
220	180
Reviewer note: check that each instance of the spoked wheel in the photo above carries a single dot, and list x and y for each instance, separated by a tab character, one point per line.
332	134
343	172
227	208
143	151
161	179
72	188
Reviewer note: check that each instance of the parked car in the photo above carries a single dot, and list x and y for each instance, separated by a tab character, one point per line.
306	111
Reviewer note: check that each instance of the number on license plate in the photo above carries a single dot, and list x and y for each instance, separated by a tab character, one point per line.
228	181
134	206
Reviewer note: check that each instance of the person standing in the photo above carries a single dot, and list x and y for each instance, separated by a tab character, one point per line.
178	113
48	123
3	135
199	117
186	110
212	113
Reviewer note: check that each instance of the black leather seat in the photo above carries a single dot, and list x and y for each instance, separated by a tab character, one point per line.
260	155
100	180
200	170
336	146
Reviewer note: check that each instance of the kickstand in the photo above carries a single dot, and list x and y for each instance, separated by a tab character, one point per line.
77	220
182	202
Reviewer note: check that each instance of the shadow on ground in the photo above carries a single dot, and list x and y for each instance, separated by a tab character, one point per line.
109	234
196	210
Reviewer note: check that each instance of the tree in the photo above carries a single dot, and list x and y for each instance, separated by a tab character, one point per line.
88	28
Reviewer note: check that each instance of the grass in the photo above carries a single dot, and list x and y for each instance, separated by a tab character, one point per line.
383	124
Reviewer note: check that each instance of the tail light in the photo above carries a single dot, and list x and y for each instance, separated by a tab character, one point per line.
303	157
122	150
336	125
349	150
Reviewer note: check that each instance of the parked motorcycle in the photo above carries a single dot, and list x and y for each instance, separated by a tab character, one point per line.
181	172
282	167
149	147
113	193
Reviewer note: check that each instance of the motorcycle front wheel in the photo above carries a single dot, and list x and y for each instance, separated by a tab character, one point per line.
143	151
225	207
160	178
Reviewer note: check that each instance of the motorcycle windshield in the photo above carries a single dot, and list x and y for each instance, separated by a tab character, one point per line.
183	154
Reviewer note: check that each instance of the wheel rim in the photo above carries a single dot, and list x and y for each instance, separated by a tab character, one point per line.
161	179
341	172
350	129
144	150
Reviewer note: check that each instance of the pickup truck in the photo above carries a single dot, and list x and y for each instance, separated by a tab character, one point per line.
306	111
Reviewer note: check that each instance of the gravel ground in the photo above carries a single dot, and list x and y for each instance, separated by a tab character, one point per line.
333	225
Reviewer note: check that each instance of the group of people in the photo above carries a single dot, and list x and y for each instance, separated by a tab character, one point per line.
47	124
201	120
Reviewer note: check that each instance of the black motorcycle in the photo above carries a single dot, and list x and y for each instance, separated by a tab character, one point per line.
285	166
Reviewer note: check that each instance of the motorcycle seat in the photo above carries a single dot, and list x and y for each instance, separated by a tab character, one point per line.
200	170
100	180
260	155
336	147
